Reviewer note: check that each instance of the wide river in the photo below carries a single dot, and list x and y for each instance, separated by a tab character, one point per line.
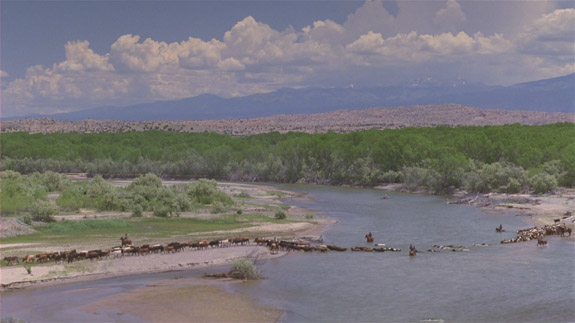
494	283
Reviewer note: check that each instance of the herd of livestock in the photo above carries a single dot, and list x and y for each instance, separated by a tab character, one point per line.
127	249
537	233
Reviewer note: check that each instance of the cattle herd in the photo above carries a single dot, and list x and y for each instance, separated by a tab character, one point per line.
274	245
537	233
125	250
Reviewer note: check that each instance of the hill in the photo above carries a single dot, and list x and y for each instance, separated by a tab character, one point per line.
337	121
550	95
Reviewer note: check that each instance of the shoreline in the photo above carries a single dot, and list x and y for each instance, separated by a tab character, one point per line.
142	302
15	277
539	210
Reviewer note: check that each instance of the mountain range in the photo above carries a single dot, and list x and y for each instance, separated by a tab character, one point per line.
549	95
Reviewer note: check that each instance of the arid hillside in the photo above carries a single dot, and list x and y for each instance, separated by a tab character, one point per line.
337	121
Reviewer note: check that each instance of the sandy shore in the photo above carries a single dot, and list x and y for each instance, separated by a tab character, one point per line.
13	277
16	276
186	300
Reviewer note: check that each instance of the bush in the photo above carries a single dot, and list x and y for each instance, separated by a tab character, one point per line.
161	211
239	211
27	220
543	183
392	177
205	192
137	211
245	269
218	207
280	215
43	211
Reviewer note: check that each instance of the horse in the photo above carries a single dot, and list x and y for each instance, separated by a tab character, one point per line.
369	238
125	241
541	242
412	252
498	229
274	248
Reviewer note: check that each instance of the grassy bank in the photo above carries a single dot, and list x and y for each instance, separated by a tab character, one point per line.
152	228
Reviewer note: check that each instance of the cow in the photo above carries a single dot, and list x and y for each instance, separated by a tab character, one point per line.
28	258
336	248
156	248
144	251
241	240
11	259
93	254
43	257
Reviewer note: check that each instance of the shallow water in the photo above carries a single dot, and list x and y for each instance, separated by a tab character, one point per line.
497	283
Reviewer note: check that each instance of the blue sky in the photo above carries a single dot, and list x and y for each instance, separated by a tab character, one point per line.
59	56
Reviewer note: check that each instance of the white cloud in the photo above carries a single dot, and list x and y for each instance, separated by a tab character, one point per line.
79	57
451	17
252	57
552	34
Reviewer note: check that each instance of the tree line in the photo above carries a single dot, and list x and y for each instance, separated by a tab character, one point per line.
508	158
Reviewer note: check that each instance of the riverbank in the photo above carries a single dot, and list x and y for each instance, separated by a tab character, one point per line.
541	210
263	200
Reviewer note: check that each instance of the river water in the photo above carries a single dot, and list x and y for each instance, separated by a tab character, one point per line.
494	283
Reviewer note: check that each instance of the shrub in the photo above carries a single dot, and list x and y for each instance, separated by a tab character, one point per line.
43	211
392	177
239	211
161	211
280	215
27	220
137	211
543	183
245	269
205	192
309	216
218	207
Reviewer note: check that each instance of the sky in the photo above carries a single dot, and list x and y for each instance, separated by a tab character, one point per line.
61	56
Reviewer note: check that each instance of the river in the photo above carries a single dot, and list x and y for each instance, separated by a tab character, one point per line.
494	283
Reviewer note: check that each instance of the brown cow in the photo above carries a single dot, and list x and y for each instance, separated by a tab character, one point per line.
336	248
43	257
11	259
28	258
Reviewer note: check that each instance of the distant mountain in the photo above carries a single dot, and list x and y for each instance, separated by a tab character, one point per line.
550	95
